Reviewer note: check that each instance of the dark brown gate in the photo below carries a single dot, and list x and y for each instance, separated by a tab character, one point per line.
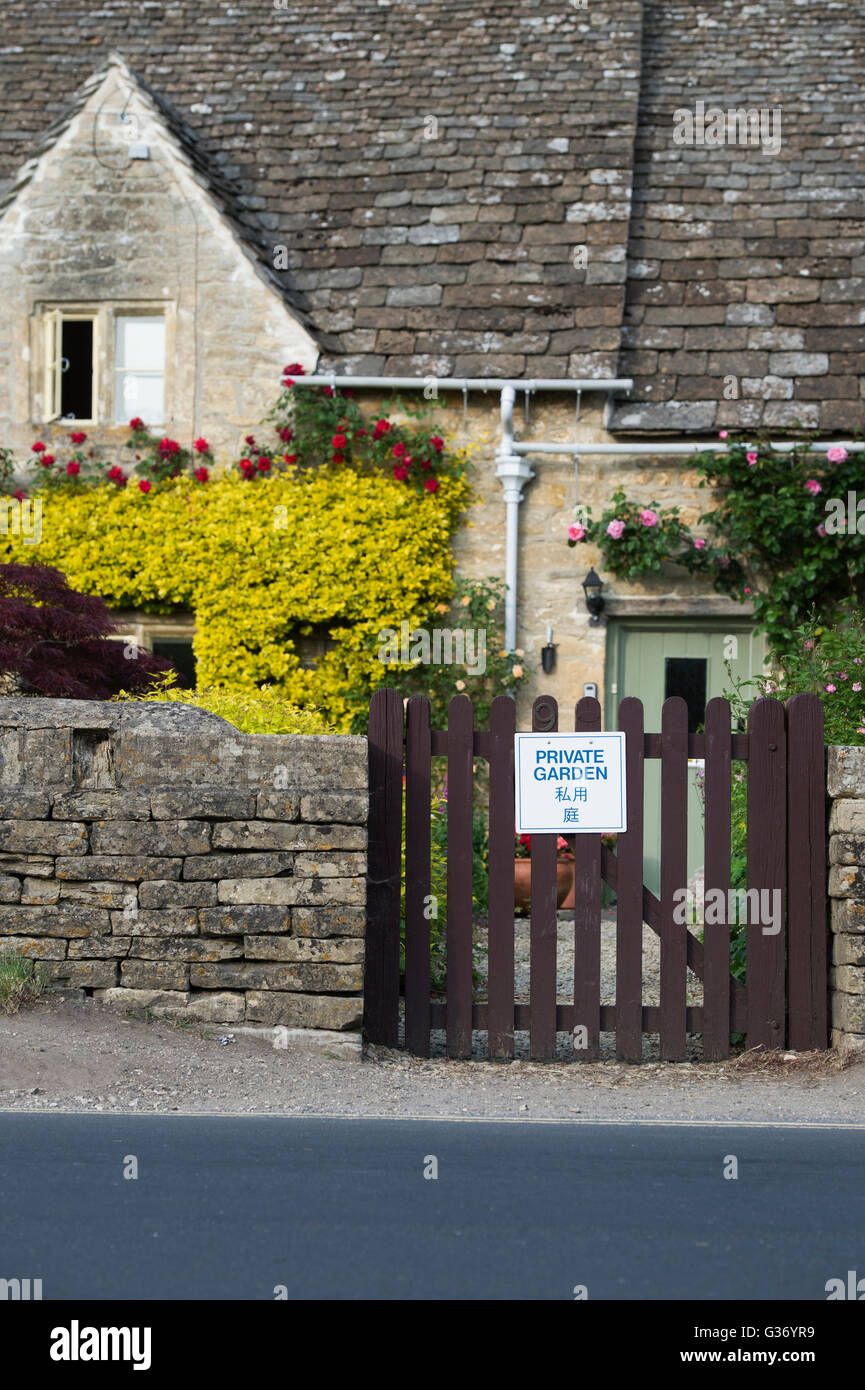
783	1003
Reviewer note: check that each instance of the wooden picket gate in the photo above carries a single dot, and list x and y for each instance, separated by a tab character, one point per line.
784	999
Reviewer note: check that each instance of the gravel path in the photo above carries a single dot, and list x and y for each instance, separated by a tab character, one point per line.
565	987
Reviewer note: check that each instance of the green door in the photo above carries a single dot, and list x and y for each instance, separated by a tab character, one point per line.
655	659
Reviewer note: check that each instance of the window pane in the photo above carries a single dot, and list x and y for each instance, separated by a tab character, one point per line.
140	343
179	652
135	394
76	369
686	676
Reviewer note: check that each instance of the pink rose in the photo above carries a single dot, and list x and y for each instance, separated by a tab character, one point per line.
751	457
837	454
821	529
649	518
576	532
813	486
830	689
722	434
615	529
857	686
699	544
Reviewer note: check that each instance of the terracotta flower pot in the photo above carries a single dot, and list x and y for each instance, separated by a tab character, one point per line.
523	881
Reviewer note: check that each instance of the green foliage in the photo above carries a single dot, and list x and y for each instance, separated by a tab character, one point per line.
21	981
477	606
262	711
323	428
634	540
779	535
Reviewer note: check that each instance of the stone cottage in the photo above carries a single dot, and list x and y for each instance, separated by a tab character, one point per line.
654	208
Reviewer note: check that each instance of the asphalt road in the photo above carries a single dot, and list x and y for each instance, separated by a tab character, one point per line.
231	1207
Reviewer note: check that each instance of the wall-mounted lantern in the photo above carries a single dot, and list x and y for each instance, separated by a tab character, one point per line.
548	654
592	587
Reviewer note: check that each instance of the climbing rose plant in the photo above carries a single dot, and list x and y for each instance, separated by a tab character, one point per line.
313	428
779	535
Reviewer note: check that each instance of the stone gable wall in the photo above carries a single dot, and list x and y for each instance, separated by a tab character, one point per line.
155	857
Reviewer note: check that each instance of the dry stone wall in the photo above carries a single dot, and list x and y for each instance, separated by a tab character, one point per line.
846	786
153	856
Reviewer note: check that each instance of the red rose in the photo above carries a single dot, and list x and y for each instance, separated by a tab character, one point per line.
286	435
425	465
327	391
78	437
361	434
47	460
38	447
382	427
294	369
431	484
116	475
398	450
136	424
247	465
202	475
437	443
73	469
19	495
337	458
263	465
201	446
400	472
168	447
290	458
143	484
264	459
338	441
250	440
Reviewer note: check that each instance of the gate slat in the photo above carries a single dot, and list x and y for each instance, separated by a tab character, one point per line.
544	923
418	796
500	937
459	910
381	969
767	869
806	874
716	935
674	876
629	893
587	912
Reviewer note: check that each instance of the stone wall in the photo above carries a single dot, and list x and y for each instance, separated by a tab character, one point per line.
152	856
846	786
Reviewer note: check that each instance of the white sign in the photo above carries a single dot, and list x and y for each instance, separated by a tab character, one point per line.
570	784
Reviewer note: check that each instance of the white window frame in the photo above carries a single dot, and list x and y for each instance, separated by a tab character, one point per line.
47	322
119	372
53	364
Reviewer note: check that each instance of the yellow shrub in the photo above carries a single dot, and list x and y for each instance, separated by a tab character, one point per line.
350	552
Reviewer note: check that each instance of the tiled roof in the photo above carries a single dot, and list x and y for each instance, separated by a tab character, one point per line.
747	270
433	166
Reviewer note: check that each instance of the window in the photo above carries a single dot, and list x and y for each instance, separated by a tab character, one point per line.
104	364
686	676
139	368
70	367
169	637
